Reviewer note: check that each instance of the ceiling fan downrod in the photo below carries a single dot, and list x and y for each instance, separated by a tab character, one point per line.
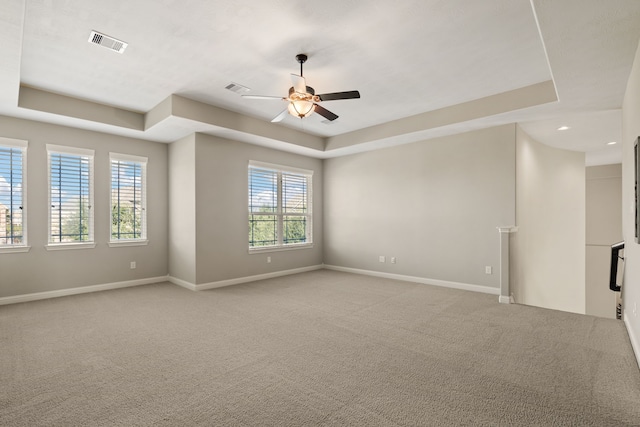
301	58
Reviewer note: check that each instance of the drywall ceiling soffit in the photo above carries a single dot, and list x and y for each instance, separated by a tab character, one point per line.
591	46
11	26
468	53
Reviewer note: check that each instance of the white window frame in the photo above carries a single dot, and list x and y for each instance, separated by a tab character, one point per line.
22	145
72	151
280	170
142	161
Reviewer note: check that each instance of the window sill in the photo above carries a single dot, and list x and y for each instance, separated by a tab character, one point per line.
263	249
69	246
125	243
14	249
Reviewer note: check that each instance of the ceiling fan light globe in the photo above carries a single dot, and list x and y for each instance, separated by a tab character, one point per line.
300	108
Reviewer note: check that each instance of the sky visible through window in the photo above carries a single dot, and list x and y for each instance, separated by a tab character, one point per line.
11	184
126	200
65	190
69	178
10	175
263	191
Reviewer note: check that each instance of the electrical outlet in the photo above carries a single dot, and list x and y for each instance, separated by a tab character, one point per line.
487	269
132	265
381	258
268	260
393	260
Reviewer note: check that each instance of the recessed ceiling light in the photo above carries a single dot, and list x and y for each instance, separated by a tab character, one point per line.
564	128
612	143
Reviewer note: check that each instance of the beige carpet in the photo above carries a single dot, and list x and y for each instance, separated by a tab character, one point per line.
321	348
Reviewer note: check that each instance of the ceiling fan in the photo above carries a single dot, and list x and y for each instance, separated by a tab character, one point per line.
303	100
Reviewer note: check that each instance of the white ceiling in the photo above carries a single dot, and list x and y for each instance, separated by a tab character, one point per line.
412	61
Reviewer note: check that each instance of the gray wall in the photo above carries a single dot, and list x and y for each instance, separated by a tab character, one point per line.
548	250
630	133
40	270
604	228
433	205
182	213
219	207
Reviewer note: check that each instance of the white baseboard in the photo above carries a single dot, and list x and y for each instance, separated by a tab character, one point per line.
193	287
239	280
632	337
506	300
80	290
423	280
182	283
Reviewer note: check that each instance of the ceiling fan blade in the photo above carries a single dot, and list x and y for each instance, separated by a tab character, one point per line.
261	97
325	113
352	94
299	83
280	116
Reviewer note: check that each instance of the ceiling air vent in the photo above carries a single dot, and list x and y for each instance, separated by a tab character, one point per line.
108	42
235	87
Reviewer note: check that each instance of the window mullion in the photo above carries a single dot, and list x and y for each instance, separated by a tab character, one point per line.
280	229
118	206
307	213
60	200
80	235
135	200
11	189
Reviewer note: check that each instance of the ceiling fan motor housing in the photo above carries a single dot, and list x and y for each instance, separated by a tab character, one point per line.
309	95
309	91
304	101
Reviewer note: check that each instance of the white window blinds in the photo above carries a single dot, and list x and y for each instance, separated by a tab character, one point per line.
128	198
279	207
294	208
12	192
70	195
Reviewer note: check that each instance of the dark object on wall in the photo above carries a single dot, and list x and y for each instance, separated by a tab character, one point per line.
636	163
615	261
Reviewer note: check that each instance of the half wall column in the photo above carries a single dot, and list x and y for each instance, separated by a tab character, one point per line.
505	232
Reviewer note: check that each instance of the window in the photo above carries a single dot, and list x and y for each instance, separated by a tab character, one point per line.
128	199
70	197
279	207
13	230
